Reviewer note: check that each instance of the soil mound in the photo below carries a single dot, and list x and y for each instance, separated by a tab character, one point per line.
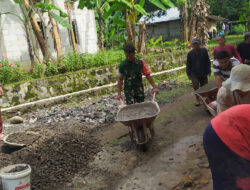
60	152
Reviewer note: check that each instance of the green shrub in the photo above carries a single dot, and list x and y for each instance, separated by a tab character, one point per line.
239	29
73	62
11	72
37	71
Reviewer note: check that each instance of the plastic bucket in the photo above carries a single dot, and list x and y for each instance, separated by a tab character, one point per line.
16	180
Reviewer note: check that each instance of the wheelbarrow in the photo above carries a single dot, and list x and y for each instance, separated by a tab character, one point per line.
139	118
207	95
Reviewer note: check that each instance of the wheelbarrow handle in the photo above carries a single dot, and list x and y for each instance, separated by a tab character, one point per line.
121	101
154	96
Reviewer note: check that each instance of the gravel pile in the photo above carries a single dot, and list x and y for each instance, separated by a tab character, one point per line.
61	152
101	112
94	113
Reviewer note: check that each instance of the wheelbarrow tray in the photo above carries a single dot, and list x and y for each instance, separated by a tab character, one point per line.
207	94
138	114
210	89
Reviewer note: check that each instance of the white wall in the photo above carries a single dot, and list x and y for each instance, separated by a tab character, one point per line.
13	41
12	29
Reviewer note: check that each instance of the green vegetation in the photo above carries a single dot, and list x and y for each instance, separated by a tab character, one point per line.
168	95
231	39
230	9
239	29
11	72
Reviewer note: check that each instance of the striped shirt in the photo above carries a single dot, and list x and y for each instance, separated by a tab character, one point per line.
225	73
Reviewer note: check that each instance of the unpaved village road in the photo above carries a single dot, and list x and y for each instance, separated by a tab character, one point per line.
175	159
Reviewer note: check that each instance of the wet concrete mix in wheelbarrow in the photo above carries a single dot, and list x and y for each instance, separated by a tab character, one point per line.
63	150
138	112
22	138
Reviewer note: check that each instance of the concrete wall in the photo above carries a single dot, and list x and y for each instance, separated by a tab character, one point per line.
211	25
168	30
13	39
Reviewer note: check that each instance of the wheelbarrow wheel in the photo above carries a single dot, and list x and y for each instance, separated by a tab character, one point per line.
142	147
141	135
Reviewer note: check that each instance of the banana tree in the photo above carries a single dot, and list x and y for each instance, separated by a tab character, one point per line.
114	30
132	10
48	7
194	20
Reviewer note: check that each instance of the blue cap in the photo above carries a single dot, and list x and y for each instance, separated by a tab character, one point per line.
221	34
195	41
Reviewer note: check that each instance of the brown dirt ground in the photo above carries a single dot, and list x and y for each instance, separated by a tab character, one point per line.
68	156
175	159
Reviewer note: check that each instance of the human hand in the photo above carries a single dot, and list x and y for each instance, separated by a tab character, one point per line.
155	89
1	91
119	96
189	77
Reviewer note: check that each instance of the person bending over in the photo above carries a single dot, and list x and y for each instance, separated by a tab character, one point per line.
236	89
222	67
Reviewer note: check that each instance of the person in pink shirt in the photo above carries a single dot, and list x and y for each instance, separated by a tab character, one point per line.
227	145
228	47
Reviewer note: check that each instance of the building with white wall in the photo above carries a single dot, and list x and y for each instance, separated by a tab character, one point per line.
13	42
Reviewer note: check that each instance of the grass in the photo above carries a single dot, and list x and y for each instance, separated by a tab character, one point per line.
231	39
168	95
181	111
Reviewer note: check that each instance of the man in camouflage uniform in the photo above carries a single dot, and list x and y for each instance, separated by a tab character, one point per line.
131	71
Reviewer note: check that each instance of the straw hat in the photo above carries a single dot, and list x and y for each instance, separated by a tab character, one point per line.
239	79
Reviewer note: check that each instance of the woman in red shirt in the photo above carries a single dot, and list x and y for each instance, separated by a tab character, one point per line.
227	145
228	47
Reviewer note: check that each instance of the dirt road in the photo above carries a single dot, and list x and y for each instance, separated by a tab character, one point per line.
175	159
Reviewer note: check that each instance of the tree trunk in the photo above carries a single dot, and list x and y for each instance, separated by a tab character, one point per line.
134	36
30	49
101	46
198	24
36	28
184	18
46	34
141	45
56	37
128	27
71	30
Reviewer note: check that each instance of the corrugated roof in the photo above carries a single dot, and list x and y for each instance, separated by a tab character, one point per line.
170	14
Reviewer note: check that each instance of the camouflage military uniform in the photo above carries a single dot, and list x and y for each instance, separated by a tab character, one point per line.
133	85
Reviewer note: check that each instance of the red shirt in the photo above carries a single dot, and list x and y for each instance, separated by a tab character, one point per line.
233	128
230	49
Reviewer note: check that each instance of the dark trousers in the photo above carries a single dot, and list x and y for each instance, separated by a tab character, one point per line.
229	171
199	82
